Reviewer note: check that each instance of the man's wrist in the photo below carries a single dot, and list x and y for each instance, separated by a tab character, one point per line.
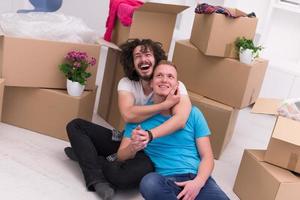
150	134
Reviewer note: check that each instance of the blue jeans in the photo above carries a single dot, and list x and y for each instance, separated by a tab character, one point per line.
155	187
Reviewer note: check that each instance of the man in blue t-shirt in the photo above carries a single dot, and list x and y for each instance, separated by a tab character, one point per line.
183	160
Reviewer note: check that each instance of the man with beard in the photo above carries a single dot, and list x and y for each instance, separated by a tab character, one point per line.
95	147
183	160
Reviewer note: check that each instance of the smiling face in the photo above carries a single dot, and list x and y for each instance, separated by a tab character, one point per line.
144	61
164	79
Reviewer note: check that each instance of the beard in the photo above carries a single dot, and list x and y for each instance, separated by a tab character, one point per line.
145	78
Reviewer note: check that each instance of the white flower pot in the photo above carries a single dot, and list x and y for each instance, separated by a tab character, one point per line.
246	56
74	88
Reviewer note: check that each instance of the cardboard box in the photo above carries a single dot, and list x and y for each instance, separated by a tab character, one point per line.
34	63
222	79
152	20
108	82
45	111
284	145
215	34
1	96
262	181
221	120
114	117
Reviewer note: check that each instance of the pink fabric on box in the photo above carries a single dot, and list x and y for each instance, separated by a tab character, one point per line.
125	13
114	6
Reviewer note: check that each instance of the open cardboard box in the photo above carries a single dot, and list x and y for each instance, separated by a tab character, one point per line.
284	146
154	21
258	180
215	34
224	80
26	62
221	120
45	111
1	96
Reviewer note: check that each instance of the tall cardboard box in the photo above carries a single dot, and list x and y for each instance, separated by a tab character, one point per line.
215	34
28	62
45	111
108	82
222	79
221	120
114	116
262	181
1	96
284	145
154	21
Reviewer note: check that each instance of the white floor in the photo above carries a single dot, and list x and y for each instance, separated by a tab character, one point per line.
33	166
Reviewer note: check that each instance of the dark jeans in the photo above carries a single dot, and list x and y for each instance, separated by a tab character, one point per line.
157	187
89	141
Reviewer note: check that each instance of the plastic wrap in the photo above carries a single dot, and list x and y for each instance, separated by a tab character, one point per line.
290	108
48	26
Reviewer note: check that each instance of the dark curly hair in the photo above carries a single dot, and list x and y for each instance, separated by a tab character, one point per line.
126	58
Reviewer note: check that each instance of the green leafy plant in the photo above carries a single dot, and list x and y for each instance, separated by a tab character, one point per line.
244	43
75	66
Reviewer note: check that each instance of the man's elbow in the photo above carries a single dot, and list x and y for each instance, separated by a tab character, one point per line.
129	117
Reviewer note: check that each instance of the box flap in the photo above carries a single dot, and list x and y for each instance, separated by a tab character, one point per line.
266	106
282	175
103	42
257	154
162	7
287	130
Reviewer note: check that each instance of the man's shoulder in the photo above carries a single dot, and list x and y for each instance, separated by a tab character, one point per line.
127	84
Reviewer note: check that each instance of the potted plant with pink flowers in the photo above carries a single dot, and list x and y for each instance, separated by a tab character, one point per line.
74	68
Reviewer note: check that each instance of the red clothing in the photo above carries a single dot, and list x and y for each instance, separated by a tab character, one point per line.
125	14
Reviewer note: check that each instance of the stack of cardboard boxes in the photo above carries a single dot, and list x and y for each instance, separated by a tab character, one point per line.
218	82
35	97
273	173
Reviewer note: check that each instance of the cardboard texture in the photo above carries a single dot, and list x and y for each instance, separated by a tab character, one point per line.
34	63
284	145
221	120
262	181
152	20
222	79
108	82
45	111
114	117
215	34
266	106
1	96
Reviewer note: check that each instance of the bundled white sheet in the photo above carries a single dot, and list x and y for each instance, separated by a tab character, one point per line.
48	26
290	108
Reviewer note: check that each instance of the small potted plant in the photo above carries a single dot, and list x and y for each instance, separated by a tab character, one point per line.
74	68
247	50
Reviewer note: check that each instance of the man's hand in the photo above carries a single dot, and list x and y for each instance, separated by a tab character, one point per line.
173	98
139	140
190	189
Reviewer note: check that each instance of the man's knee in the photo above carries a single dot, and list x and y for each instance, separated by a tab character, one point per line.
151	184
72	125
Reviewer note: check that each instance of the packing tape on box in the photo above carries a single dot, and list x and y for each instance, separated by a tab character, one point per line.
294	157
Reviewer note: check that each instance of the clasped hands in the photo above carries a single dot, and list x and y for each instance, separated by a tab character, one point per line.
139	139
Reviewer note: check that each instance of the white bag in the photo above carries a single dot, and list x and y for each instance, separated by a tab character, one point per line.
290	108
48	26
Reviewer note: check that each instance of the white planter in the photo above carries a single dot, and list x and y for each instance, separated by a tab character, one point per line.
74	88
246	56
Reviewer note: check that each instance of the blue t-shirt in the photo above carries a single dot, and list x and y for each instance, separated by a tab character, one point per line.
175	153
